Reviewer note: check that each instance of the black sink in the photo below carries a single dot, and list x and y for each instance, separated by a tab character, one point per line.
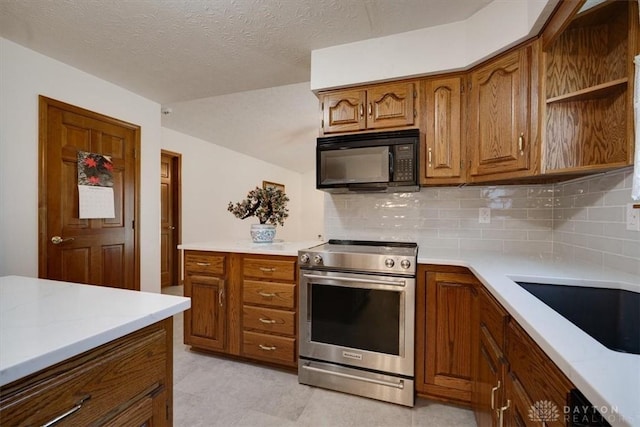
611	316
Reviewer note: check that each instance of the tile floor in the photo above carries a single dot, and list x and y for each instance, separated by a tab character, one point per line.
214	391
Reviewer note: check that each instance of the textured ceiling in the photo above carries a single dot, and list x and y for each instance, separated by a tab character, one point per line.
172	51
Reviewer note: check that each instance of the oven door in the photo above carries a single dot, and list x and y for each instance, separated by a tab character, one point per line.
358	320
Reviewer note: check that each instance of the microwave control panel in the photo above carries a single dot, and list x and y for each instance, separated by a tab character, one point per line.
403	165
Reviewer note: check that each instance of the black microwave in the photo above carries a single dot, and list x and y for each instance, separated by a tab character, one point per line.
369	162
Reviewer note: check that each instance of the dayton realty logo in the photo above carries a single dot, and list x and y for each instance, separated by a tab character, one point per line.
547	411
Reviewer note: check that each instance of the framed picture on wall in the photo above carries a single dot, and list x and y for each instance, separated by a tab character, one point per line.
269	184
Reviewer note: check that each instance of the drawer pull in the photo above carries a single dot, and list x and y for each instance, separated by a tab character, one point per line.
267	294
267	269
70	412
203	264
263	320
267	348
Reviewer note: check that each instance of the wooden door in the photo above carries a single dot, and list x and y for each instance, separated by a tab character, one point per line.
499	114
443	128
205	322
390	105
169	218
94	251
343	111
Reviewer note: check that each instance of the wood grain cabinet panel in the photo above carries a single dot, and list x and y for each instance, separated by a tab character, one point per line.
589	90
343	111
269	306
205	282
270	348
443	129
126	381
538	375
445	334
512	373
389	105
499	114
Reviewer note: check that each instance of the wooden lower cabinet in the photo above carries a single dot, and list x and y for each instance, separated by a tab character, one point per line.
490	361
516	384
205	323
470	351
446	310
541	382
269	309
242	305
128	381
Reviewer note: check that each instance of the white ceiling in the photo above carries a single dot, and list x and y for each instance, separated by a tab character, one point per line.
172	51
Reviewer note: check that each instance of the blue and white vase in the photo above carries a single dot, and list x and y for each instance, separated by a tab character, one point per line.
263	233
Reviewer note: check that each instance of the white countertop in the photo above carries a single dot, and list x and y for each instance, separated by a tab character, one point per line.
278	247
607	378
43	322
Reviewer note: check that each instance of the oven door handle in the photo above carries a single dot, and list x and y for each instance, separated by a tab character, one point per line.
358	280
399	384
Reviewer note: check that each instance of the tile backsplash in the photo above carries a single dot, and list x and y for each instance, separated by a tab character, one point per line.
582	219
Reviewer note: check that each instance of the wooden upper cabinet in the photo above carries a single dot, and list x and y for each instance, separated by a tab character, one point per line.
499	114
390	106
589	89
373	107
343	111
443	124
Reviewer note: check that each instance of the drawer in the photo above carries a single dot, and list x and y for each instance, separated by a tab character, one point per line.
204	262
269	320
276	269
271	348
271	294
493	317
102	380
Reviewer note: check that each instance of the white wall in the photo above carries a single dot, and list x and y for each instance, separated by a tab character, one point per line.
25	74
499	25
213	176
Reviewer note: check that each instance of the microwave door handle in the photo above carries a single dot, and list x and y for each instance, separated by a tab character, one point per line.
390	165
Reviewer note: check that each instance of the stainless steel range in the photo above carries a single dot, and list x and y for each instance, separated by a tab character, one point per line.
357	311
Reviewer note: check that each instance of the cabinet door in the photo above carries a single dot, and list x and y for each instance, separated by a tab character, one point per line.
517	408
390	105
205	322
343	111
449	303
547	387
443	124
490	361
488	387
499	114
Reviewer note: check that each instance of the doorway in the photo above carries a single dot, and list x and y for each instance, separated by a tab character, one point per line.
170	215
101	249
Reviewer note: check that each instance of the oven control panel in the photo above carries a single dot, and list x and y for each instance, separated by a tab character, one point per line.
381	264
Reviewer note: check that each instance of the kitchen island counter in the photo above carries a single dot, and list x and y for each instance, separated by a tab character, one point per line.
609	379
44	322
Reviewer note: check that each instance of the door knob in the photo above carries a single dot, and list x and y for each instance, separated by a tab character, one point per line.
56	240
171	227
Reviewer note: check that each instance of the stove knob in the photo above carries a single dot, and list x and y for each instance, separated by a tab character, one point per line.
304	258
405	263
317	259
389	262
